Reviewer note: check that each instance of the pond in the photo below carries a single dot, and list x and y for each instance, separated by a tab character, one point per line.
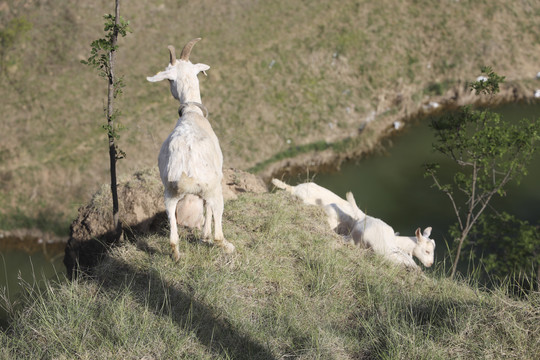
390	184
28	260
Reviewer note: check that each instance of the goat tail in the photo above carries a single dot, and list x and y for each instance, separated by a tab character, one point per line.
183	185
281	185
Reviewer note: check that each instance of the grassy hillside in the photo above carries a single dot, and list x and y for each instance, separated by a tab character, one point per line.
293	73
291	290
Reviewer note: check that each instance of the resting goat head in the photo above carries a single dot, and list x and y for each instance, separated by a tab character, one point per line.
425	247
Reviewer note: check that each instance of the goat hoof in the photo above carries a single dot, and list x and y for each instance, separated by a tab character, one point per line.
207	241
176	256
228	247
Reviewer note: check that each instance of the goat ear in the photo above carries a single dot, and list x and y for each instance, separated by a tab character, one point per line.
201	67
418	234
427	231
352	202
169	74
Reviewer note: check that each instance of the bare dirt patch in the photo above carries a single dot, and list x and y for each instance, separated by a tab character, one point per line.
141	211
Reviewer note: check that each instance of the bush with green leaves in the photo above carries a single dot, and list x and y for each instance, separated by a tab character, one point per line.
489	153
508	248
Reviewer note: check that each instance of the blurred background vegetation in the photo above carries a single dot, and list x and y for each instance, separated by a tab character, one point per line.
283	74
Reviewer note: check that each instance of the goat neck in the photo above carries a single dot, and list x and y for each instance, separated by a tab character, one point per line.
185	87
406	243
194	107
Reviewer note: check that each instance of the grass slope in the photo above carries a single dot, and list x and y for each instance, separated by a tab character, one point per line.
291	290
293	73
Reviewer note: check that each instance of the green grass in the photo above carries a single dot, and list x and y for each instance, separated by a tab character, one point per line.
327	58
52	222
291	290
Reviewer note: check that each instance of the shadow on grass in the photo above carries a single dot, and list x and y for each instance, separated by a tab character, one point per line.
88	244
208	324
442	314
377	325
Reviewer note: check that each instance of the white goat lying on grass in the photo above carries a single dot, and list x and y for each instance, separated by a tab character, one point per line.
420	246
378	235
340	214
190	160
347	219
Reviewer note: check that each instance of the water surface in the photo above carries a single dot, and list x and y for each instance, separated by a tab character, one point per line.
390	184
27	261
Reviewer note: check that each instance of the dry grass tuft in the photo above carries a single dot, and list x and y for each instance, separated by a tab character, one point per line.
289	291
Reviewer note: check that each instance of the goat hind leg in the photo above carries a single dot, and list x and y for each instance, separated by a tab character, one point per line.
217	207
207	227
170	207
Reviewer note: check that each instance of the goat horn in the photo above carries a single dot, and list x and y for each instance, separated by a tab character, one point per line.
172	53
187	49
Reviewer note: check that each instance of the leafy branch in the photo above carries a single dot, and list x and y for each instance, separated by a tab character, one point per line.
102	58
489	152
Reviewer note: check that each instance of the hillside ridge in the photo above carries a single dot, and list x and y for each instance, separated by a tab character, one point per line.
290	72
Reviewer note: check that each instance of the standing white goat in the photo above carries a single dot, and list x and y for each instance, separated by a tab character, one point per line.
190	160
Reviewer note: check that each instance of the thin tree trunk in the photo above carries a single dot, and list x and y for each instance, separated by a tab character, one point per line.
117	227
470	220
538	277
458	253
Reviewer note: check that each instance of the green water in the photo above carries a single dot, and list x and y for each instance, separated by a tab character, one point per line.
29	263
390	185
